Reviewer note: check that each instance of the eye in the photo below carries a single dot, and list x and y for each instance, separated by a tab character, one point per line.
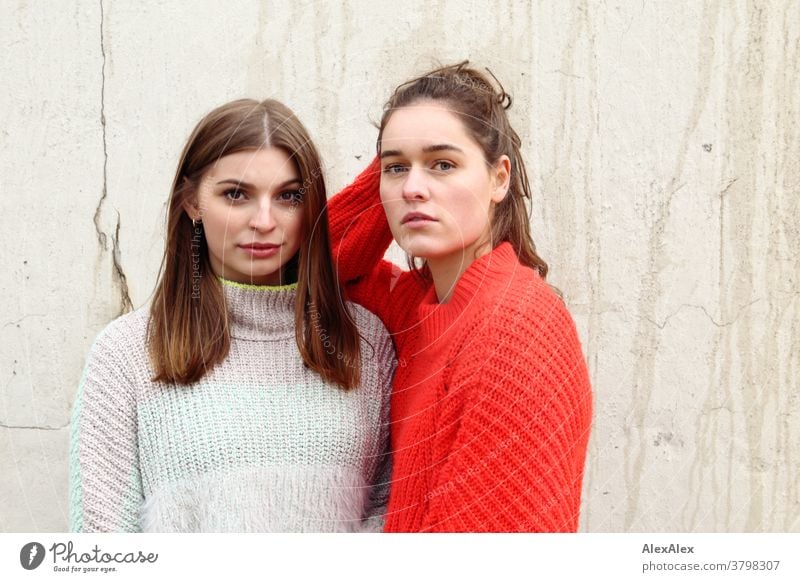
443	166
394	169
293	197
233	194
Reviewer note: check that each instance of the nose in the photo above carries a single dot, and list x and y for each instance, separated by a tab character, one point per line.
262	218
415	186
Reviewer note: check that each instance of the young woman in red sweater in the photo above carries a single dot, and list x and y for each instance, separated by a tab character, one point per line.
491	405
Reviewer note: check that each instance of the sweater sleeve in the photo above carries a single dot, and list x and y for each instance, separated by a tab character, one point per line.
359	231
520	398
360	236
105	482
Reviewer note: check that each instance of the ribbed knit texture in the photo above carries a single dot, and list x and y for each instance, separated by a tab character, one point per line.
491	406
260	444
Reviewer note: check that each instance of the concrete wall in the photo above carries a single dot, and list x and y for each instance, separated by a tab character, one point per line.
663	140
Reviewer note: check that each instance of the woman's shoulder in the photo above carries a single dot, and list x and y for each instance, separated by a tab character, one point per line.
369	325
526	336
117	359
127	326
123	337
528	293
526	306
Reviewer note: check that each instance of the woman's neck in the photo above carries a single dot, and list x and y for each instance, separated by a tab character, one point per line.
447	270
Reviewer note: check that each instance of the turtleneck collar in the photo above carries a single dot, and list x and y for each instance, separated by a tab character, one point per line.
483	280
260	312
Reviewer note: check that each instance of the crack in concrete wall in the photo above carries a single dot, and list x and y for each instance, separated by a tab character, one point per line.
11	426
714	322
23	318
101	236
118	274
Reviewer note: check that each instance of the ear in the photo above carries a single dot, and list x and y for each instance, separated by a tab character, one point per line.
501	178
190	203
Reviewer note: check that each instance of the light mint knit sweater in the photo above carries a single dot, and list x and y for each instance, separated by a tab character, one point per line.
260	444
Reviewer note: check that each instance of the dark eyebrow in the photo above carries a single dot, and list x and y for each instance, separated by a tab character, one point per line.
248	186
440	147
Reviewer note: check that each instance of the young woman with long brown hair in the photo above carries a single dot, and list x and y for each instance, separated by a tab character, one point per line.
491	406
248	396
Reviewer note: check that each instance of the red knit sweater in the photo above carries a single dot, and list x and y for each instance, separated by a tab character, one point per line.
491	406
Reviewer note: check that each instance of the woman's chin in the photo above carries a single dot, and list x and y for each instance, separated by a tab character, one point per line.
415	244
426	251
415	249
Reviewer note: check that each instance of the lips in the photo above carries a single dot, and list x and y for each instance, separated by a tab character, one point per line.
260	246
416	217
261	250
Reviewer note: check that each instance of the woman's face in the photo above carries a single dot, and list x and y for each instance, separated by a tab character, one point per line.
436	186
250	205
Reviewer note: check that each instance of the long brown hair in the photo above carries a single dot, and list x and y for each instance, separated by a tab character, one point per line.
482	108
188	332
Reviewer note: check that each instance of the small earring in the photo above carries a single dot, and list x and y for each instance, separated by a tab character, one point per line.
196	222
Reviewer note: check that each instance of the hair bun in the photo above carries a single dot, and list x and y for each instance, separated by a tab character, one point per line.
504	99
